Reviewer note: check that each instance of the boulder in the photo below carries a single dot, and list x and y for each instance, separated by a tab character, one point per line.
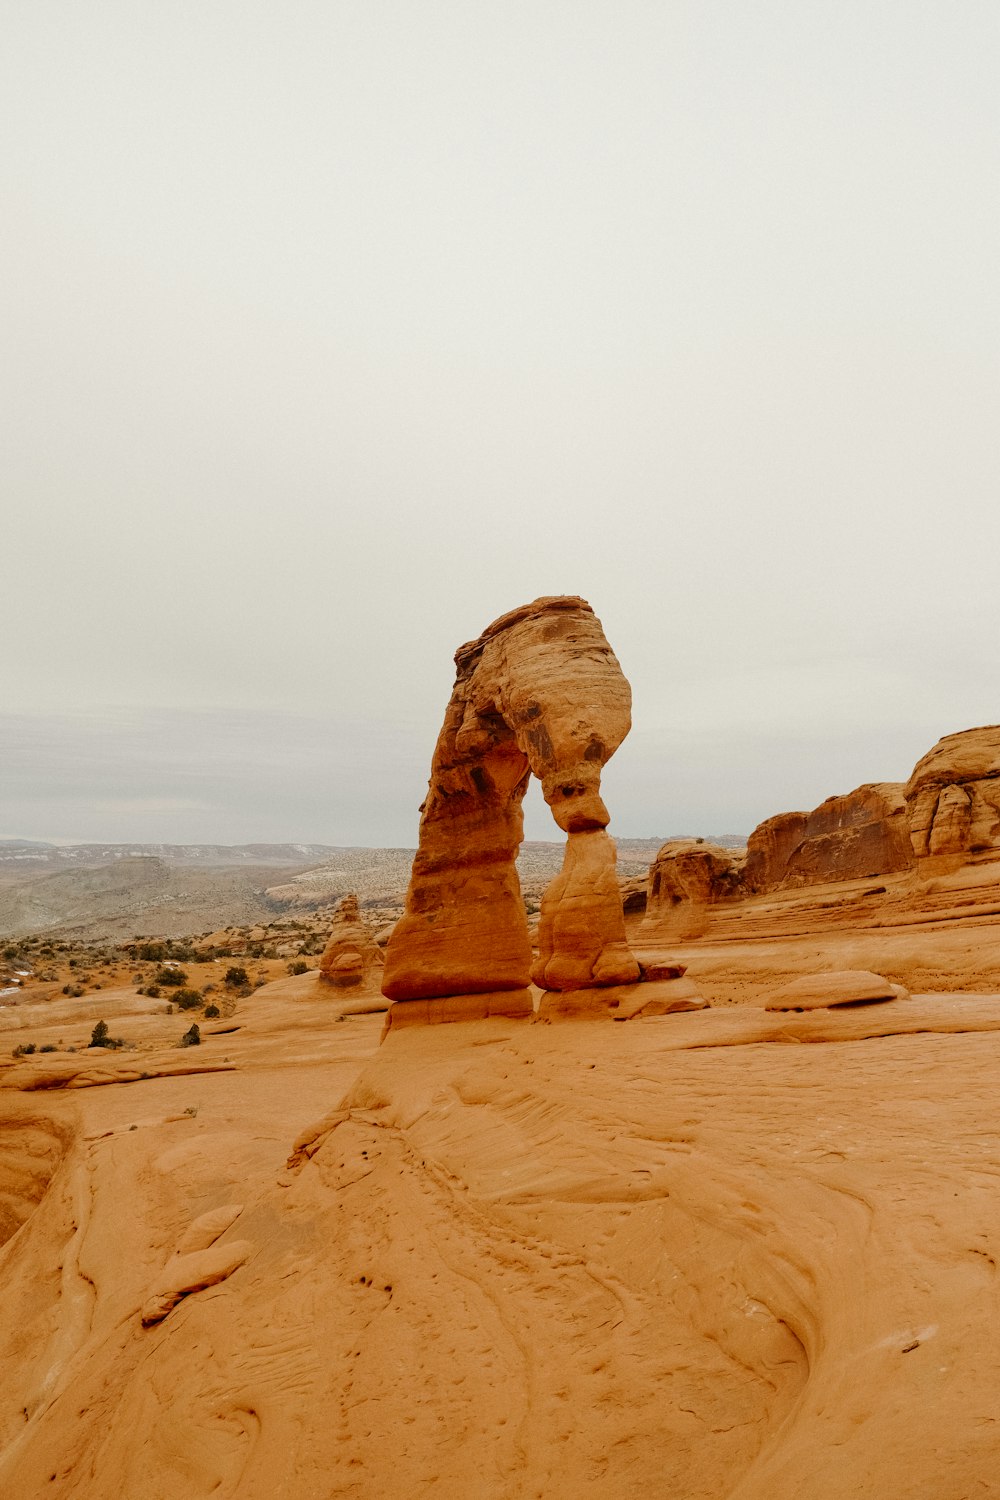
692	870
836	987
540	691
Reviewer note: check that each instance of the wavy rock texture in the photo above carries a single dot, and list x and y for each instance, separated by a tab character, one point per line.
726	1255
539	692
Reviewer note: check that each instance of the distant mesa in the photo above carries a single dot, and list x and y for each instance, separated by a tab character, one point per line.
948	813
539	692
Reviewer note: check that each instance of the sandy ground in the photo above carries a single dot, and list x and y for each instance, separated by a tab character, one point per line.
726	1255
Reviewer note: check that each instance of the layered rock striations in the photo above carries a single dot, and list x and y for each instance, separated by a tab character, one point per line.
540	692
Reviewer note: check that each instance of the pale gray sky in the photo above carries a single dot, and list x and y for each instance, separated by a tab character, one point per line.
333	330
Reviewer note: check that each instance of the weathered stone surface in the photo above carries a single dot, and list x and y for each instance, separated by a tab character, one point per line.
692	870
846	838
953	796
837	987
350	953
539	692
472	1007
622	1002
665	997
581	933
864	833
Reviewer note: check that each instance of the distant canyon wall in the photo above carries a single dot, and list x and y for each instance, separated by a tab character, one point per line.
948	811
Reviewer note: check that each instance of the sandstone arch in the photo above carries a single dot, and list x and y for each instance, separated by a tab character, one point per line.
539	692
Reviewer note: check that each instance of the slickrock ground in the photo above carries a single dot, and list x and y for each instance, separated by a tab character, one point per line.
724	1255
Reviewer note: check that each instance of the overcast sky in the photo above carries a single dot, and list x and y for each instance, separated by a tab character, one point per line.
333	330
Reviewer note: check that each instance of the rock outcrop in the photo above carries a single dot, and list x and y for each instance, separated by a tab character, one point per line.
692	870
539	692
863	833
949	807
953	796
350	954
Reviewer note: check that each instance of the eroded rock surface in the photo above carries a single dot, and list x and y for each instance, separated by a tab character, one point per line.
846	838
351	953
835	987
949	810
953	796
539	692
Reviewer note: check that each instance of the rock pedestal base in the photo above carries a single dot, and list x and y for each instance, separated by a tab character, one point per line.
622	1002
511	1003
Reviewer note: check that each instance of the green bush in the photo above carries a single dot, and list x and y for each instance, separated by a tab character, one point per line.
187	999
211	1011
236	977
168	977
299	966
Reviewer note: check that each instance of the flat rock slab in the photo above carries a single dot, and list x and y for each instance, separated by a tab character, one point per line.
836	987
623	1002
653	969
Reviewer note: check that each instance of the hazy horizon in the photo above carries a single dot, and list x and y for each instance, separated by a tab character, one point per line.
334	332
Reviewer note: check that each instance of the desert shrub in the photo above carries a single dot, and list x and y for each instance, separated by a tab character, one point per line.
170	977
211	1011
153	953
236	976
99	1036
298	966
187	999
49	1047
191	1038
23	1051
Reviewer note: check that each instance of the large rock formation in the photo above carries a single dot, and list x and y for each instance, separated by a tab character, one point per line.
863	833
953	796
539	692
949	807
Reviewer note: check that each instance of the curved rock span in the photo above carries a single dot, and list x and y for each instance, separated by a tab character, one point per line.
539	692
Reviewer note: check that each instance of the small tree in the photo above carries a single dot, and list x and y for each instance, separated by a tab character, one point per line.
99	1036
